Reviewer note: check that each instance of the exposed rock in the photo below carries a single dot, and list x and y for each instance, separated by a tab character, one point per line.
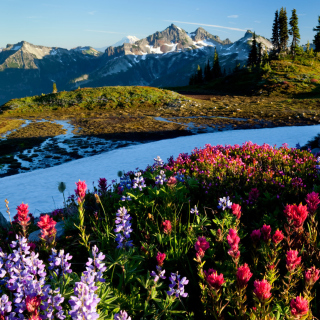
34	236
4	222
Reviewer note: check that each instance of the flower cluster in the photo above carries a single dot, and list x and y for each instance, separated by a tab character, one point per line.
24	275
243	275
296	215
161	178
277	237
194	210
167	227
48	230
299	307
262	290
201	246
312	201
138	181
160	258
214	280
84	302
125	182
102	184
236	210
158	162
177	285
293	261
160	273
233	241
81	190
123	228
58	262
122	315
224	203
266	232
311	276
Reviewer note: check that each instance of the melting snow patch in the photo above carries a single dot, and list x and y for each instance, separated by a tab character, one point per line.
15	48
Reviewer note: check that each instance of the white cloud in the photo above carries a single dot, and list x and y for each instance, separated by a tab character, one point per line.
256	21
92	12
209	25
302	14
233	16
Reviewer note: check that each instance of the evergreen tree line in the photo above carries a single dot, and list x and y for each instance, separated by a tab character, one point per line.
208	73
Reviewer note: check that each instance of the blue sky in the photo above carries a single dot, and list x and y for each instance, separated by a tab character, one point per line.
98	23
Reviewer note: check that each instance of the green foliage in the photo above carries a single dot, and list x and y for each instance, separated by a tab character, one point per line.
283	30
253	54
276	32
316	40
294	32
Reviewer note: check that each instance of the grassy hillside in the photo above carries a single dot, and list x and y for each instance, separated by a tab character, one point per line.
295	78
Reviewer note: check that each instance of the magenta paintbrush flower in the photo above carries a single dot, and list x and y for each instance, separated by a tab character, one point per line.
243	275
299	307
262	290
292	260
81	190
214	280
277	237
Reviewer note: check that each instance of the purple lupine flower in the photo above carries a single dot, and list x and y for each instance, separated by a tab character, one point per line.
159	274
158	162
5	307
125	182
194	210
122	315
53	302
59	262
175	281
224	203
123	228
124	198
180	177
161	178
138	181
84	303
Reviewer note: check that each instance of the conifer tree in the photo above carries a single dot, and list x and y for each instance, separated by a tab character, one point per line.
294	31
275	32
253	54
283	30
199	76
216	69
54	88
259	57
207	72
316	40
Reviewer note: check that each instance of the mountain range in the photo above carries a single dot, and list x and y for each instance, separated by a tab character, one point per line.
165	58
127	39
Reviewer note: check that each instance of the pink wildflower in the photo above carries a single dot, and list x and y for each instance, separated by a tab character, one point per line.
233	241
266	232
311	276
172	181
102	184
262	290
160	258
23	216
81	190
47	226
236	210
277	237
292	260
214	280
312	201
33	303
167	228
296	214
255	235
243	275
299	307
202	243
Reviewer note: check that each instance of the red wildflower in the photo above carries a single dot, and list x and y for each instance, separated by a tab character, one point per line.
102	184
199	255
255	235
296	214
243	275
214	280
172	181
81	190
312	201
202	243
167	228
266	232
47	225
311	276
262	290
33	303
236	210
292	260
277	237
160	258
23	216
299	307
233	241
